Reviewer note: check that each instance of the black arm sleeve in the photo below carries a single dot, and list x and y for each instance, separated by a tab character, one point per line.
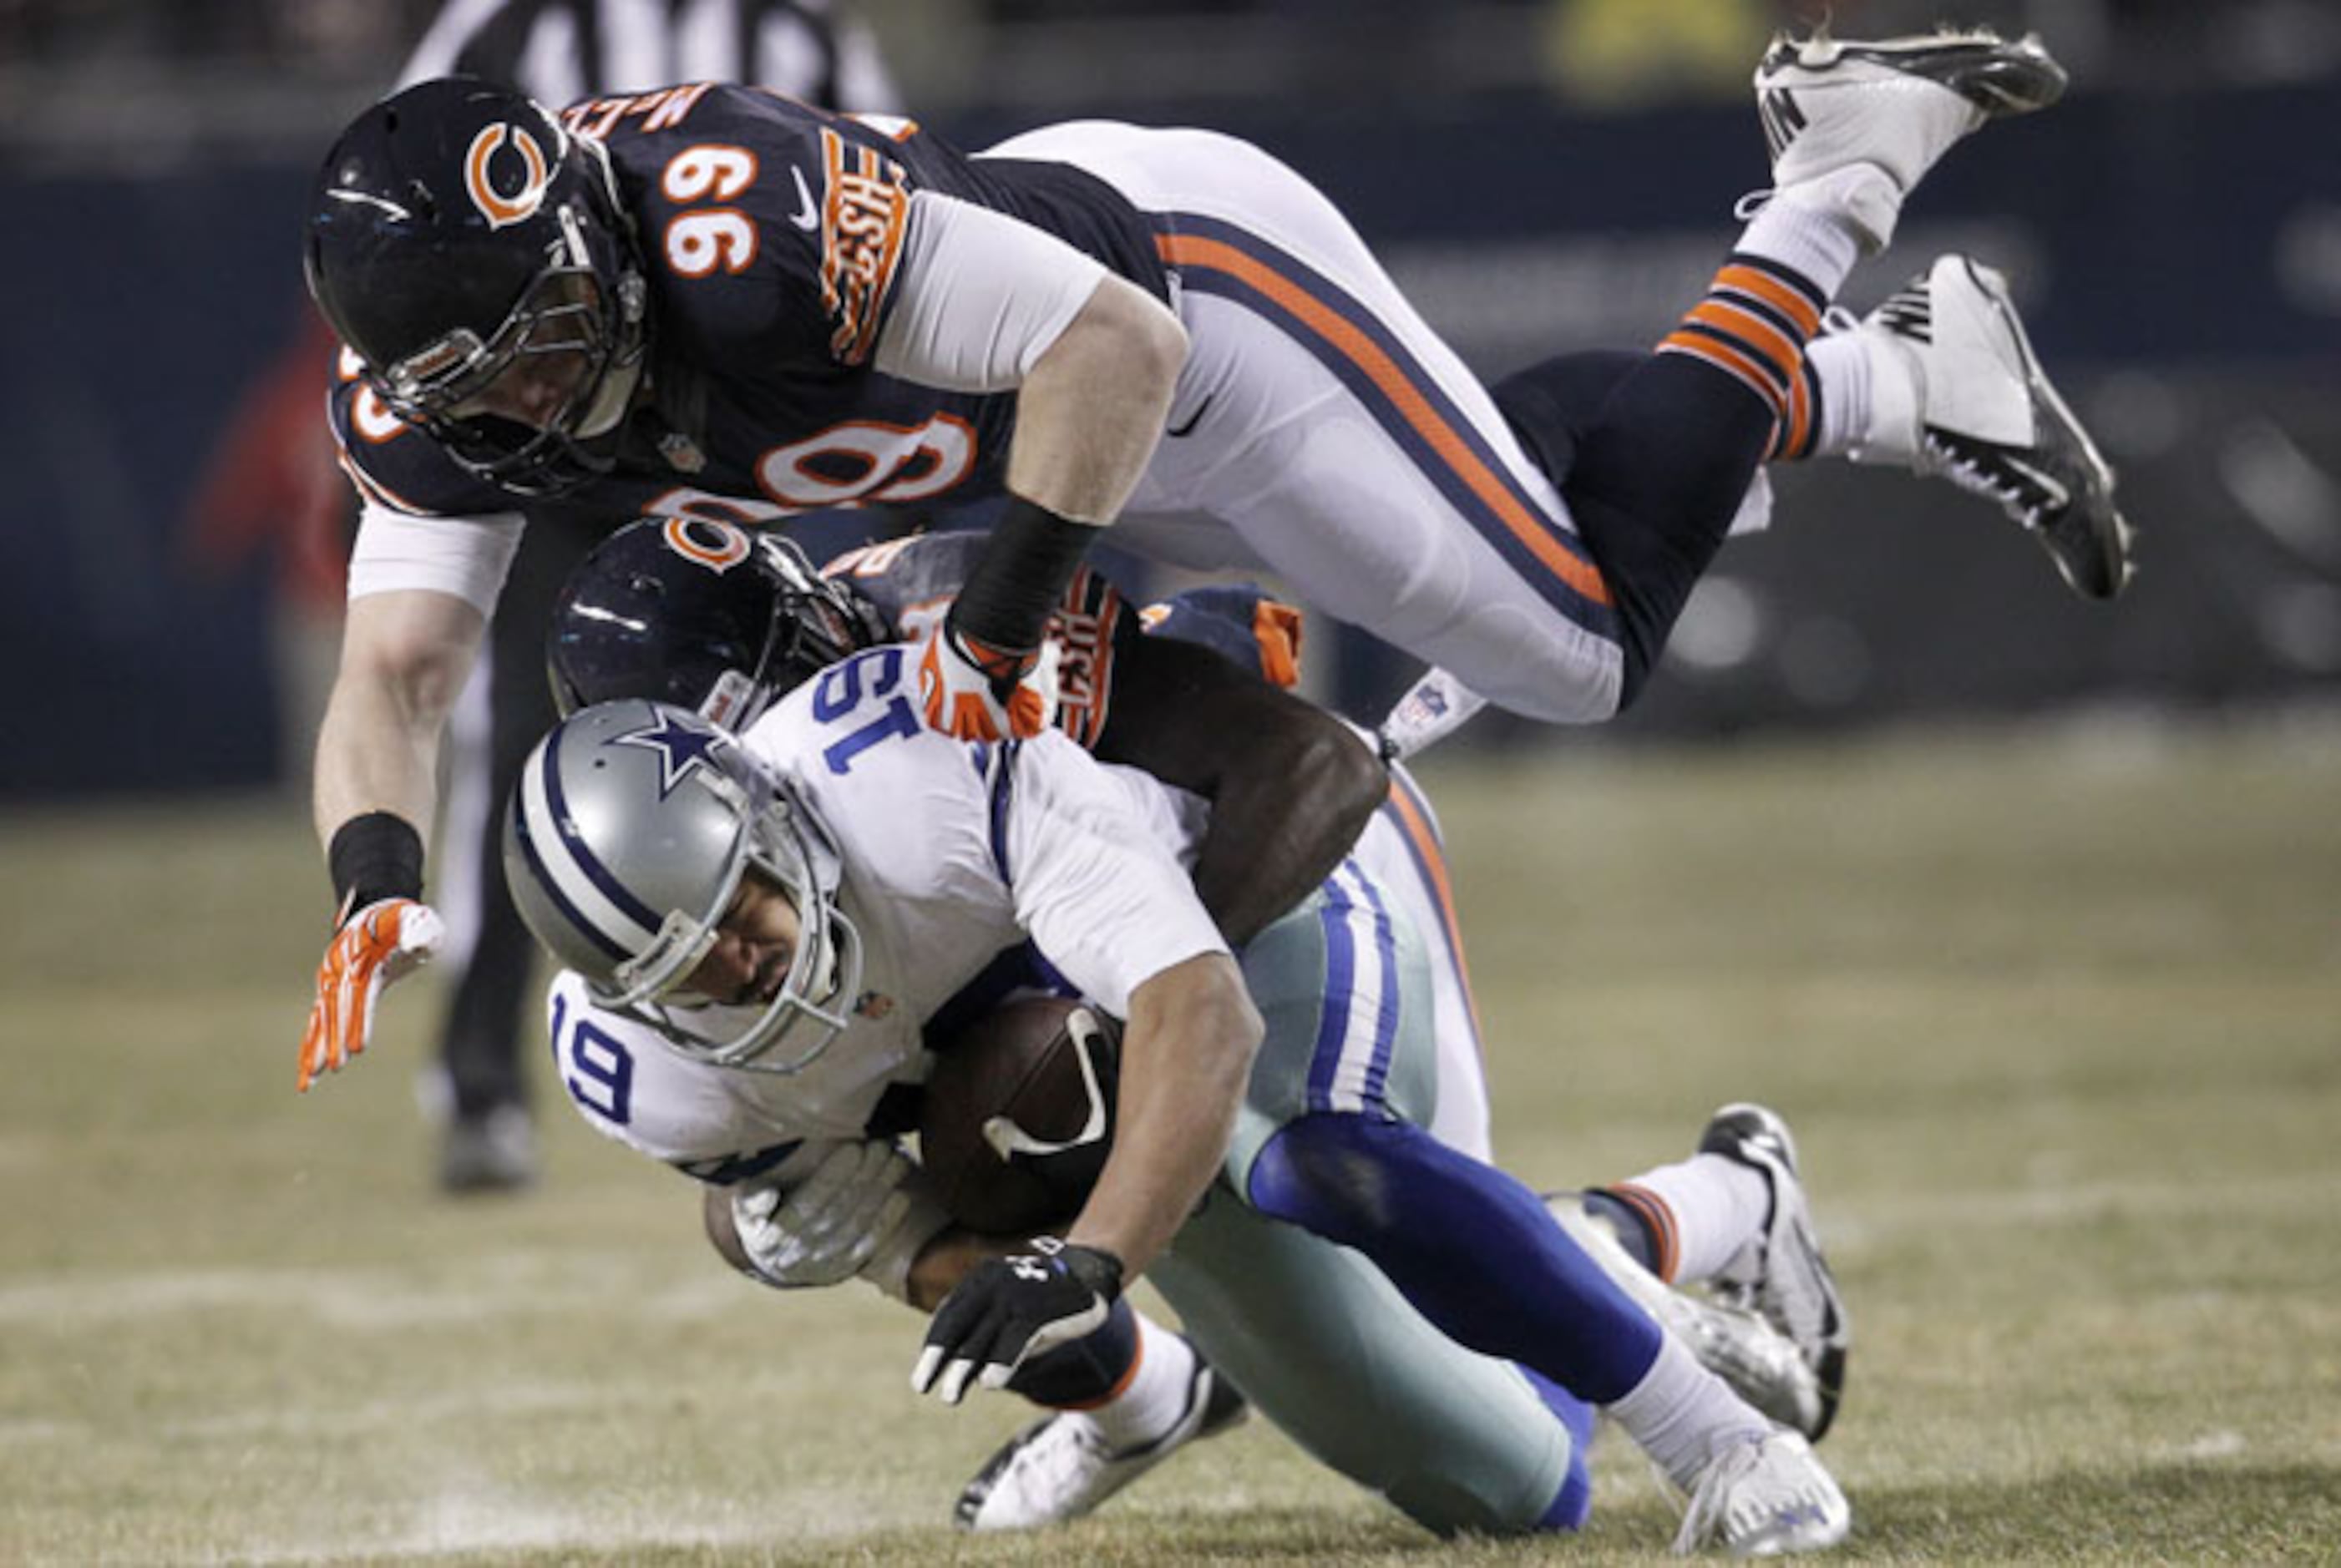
374	855
1018	581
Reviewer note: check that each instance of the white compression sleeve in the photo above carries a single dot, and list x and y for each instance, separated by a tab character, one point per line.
979	297
462	556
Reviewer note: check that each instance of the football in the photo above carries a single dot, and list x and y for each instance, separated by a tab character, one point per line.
1019	1116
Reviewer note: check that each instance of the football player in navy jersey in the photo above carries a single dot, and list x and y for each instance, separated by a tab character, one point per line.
711	298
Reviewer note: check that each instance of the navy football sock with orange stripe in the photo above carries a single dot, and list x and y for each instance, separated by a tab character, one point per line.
1643	1226
1753	326
1658	479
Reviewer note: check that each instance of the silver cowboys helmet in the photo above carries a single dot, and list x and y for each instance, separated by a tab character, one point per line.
627	840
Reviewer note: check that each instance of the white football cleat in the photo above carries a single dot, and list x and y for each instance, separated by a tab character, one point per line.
1985	418
1765	1497
1061	1468
1782	1274
1895	105
1762	1364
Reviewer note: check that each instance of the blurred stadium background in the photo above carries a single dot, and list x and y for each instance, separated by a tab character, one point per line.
2029	911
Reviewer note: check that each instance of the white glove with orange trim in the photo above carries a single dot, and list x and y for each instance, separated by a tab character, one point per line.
384	941
974	692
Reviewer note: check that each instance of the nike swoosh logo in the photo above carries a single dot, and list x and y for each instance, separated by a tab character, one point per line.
1194	419
1008	1139
807	216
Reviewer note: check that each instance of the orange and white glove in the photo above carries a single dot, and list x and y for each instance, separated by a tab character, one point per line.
384	941
971	691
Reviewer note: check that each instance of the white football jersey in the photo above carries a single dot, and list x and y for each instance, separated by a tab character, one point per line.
951	856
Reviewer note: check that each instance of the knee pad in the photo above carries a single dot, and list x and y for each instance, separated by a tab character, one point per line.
1331	1174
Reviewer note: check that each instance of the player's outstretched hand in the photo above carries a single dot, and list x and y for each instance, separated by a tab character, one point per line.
823	1229
1010	1309
971	691
378	944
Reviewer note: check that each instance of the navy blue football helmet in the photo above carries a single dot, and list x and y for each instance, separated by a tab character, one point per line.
702	614
457	229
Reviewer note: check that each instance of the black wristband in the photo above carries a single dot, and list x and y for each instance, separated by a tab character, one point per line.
1019	578
372	857
1094	1267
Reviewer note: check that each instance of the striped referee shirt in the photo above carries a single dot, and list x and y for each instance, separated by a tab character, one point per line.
559	51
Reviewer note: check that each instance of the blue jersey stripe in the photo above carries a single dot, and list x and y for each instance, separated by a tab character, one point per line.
1338	995
1386	1014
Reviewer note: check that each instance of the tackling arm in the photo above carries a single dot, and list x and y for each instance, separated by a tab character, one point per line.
1091	408
985	302
404	655
1186	1059
1087	416
1291	786
405	658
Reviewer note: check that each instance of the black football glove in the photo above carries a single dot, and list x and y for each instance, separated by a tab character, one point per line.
1009	1309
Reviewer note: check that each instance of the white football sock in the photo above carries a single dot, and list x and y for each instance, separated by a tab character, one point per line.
1886	430
1719	1208
1807	228
1861	201
1681	1414
1845	363
1153	1395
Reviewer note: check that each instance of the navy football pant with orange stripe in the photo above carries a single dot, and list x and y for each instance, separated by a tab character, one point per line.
1653	507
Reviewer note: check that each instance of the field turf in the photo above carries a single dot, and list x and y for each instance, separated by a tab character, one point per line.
2055	1013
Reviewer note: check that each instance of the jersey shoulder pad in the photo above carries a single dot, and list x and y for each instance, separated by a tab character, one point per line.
899	799
912	576
1241	622
394	464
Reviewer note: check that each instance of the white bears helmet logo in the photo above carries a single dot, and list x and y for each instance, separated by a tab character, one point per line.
478	183
715	545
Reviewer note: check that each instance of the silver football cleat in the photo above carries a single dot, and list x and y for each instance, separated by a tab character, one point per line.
1762	1364
1988	419
1765	1497
1784	1276
1896	105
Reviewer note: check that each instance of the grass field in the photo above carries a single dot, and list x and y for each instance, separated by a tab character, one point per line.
2056	1013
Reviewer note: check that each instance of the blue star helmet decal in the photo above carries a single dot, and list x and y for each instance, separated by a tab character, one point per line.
681	743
